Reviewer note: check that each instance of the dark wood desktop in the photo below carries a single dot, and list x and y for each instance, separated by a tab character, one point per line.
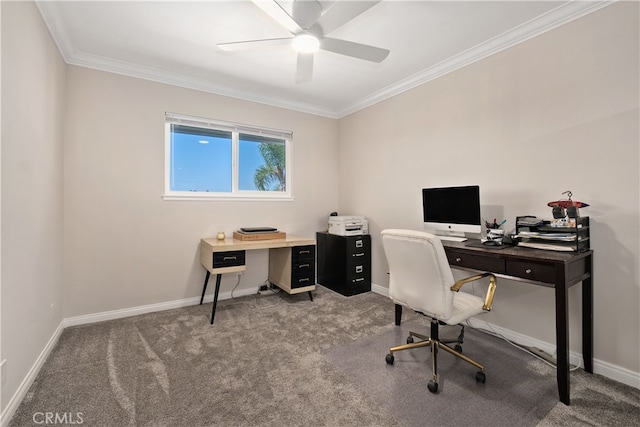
557	270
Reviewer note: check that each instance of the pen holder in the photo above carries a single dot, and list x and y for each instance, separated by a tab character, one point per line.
495	235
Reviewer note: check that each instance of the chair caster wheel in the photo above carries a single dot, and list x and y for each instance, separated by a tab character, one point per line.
432	386
458	348
389	359
409	340
480	377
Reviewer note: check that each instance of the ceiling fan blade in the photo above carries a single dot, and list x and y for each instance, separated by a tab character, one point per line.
306	12
278	14
339	14
356	50
253	44
304	70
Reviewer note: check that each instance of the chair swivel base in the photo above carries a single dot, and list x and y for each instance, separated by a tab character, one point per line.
435	345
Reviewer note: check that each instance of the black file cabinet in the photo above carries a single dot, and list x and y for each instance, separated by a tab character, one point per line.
344	263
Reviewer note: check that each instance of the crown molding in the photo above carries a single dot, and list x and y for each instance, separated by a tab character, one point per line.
557	17
158	75
554	18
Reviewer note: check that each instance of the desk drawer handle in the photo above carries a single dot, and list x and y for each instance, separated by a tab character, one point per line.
359	279
458	259
528	271
304	252
304	279
359	269
303	266
228	258
360	254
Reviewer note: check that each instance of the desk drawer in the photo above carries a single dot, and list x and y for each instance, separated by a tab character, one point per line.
531	270
475	261
300	281
302	277
304	267
303	253
228	259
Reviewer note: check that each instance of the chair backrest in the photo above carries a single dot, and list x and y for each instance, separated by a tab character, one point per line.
420	276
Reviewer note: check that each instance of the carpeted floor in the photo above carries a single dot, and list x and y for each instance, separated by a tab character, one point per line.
517	391
282	360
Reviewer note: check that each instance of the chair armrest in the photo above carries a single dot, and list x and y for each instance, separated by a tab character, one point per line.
492	287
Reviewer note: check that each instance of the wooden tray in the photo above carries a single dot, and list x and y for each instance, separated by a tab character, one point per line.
259	236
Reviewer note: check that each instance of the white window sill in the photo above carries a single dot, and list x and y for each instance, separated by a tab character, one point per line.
238	197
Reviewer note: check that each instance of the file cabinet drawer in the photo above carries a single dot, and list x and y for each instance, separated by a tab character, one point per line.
358	248
359	273
531	270
228	259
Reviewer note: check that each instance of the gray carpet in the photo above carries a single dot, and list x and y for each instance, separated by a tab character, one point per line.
279	360
517	391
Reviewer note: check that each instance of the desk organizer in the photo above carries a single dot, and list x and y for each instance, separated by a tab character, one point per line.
549	237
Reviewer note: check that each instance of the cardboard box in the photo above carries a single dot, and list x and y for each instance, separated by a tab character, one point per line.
259	236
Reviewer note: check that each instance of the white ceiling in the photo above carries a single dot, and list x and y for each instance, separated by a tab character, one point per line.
175	43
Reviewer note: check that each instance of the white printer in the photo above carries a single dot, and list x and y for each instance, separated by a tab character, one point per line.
348	225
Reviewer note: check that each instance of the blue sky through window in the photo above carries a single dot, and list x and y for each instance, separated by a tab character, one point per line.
202	161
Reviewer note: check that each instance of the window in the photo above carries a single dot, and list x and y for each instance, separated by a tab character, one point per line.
213	159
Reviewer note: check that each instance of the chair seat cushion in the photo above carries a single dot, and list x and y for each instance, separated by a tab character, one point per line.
464	306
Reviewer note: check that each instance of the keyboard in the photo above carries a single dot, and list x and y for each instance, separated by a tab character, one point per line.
453	239
258	230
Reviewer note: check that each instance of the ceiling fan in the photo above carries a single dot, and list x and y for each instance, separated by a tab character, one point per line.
308	24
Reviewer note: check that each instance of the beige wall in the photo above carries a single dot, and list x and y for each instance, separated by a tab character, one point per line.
124	245
558	112
33	85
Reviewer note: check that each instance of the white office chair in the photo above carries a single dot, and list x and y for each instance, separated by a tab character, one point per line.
421	279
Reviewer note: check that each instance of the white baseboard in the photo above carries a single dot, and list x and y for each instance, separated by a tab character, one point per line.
600	367
22	390
150	308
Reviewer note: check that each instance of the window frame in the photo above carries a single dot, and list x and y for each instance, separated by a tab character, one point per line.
236	129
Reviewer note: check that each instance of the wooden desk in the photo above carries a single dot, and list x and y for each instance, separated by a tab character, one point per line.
291	262
557	270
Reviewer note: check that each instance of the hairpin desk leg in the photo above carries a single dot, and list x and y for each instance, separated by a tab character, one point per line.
215	297
204	287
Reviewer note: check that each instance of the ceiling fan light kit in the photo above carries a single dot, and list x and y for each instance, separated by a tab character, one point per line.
308	24
306	43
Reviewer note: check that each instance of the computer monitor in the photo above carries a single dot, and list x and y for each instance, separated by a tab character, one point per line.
450	212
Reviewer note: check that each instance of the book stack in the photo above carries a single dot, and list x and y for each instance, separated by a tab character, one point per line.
258	233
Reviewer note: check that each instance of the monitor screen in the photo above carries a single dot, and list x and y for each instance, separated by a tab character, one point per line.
452	211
